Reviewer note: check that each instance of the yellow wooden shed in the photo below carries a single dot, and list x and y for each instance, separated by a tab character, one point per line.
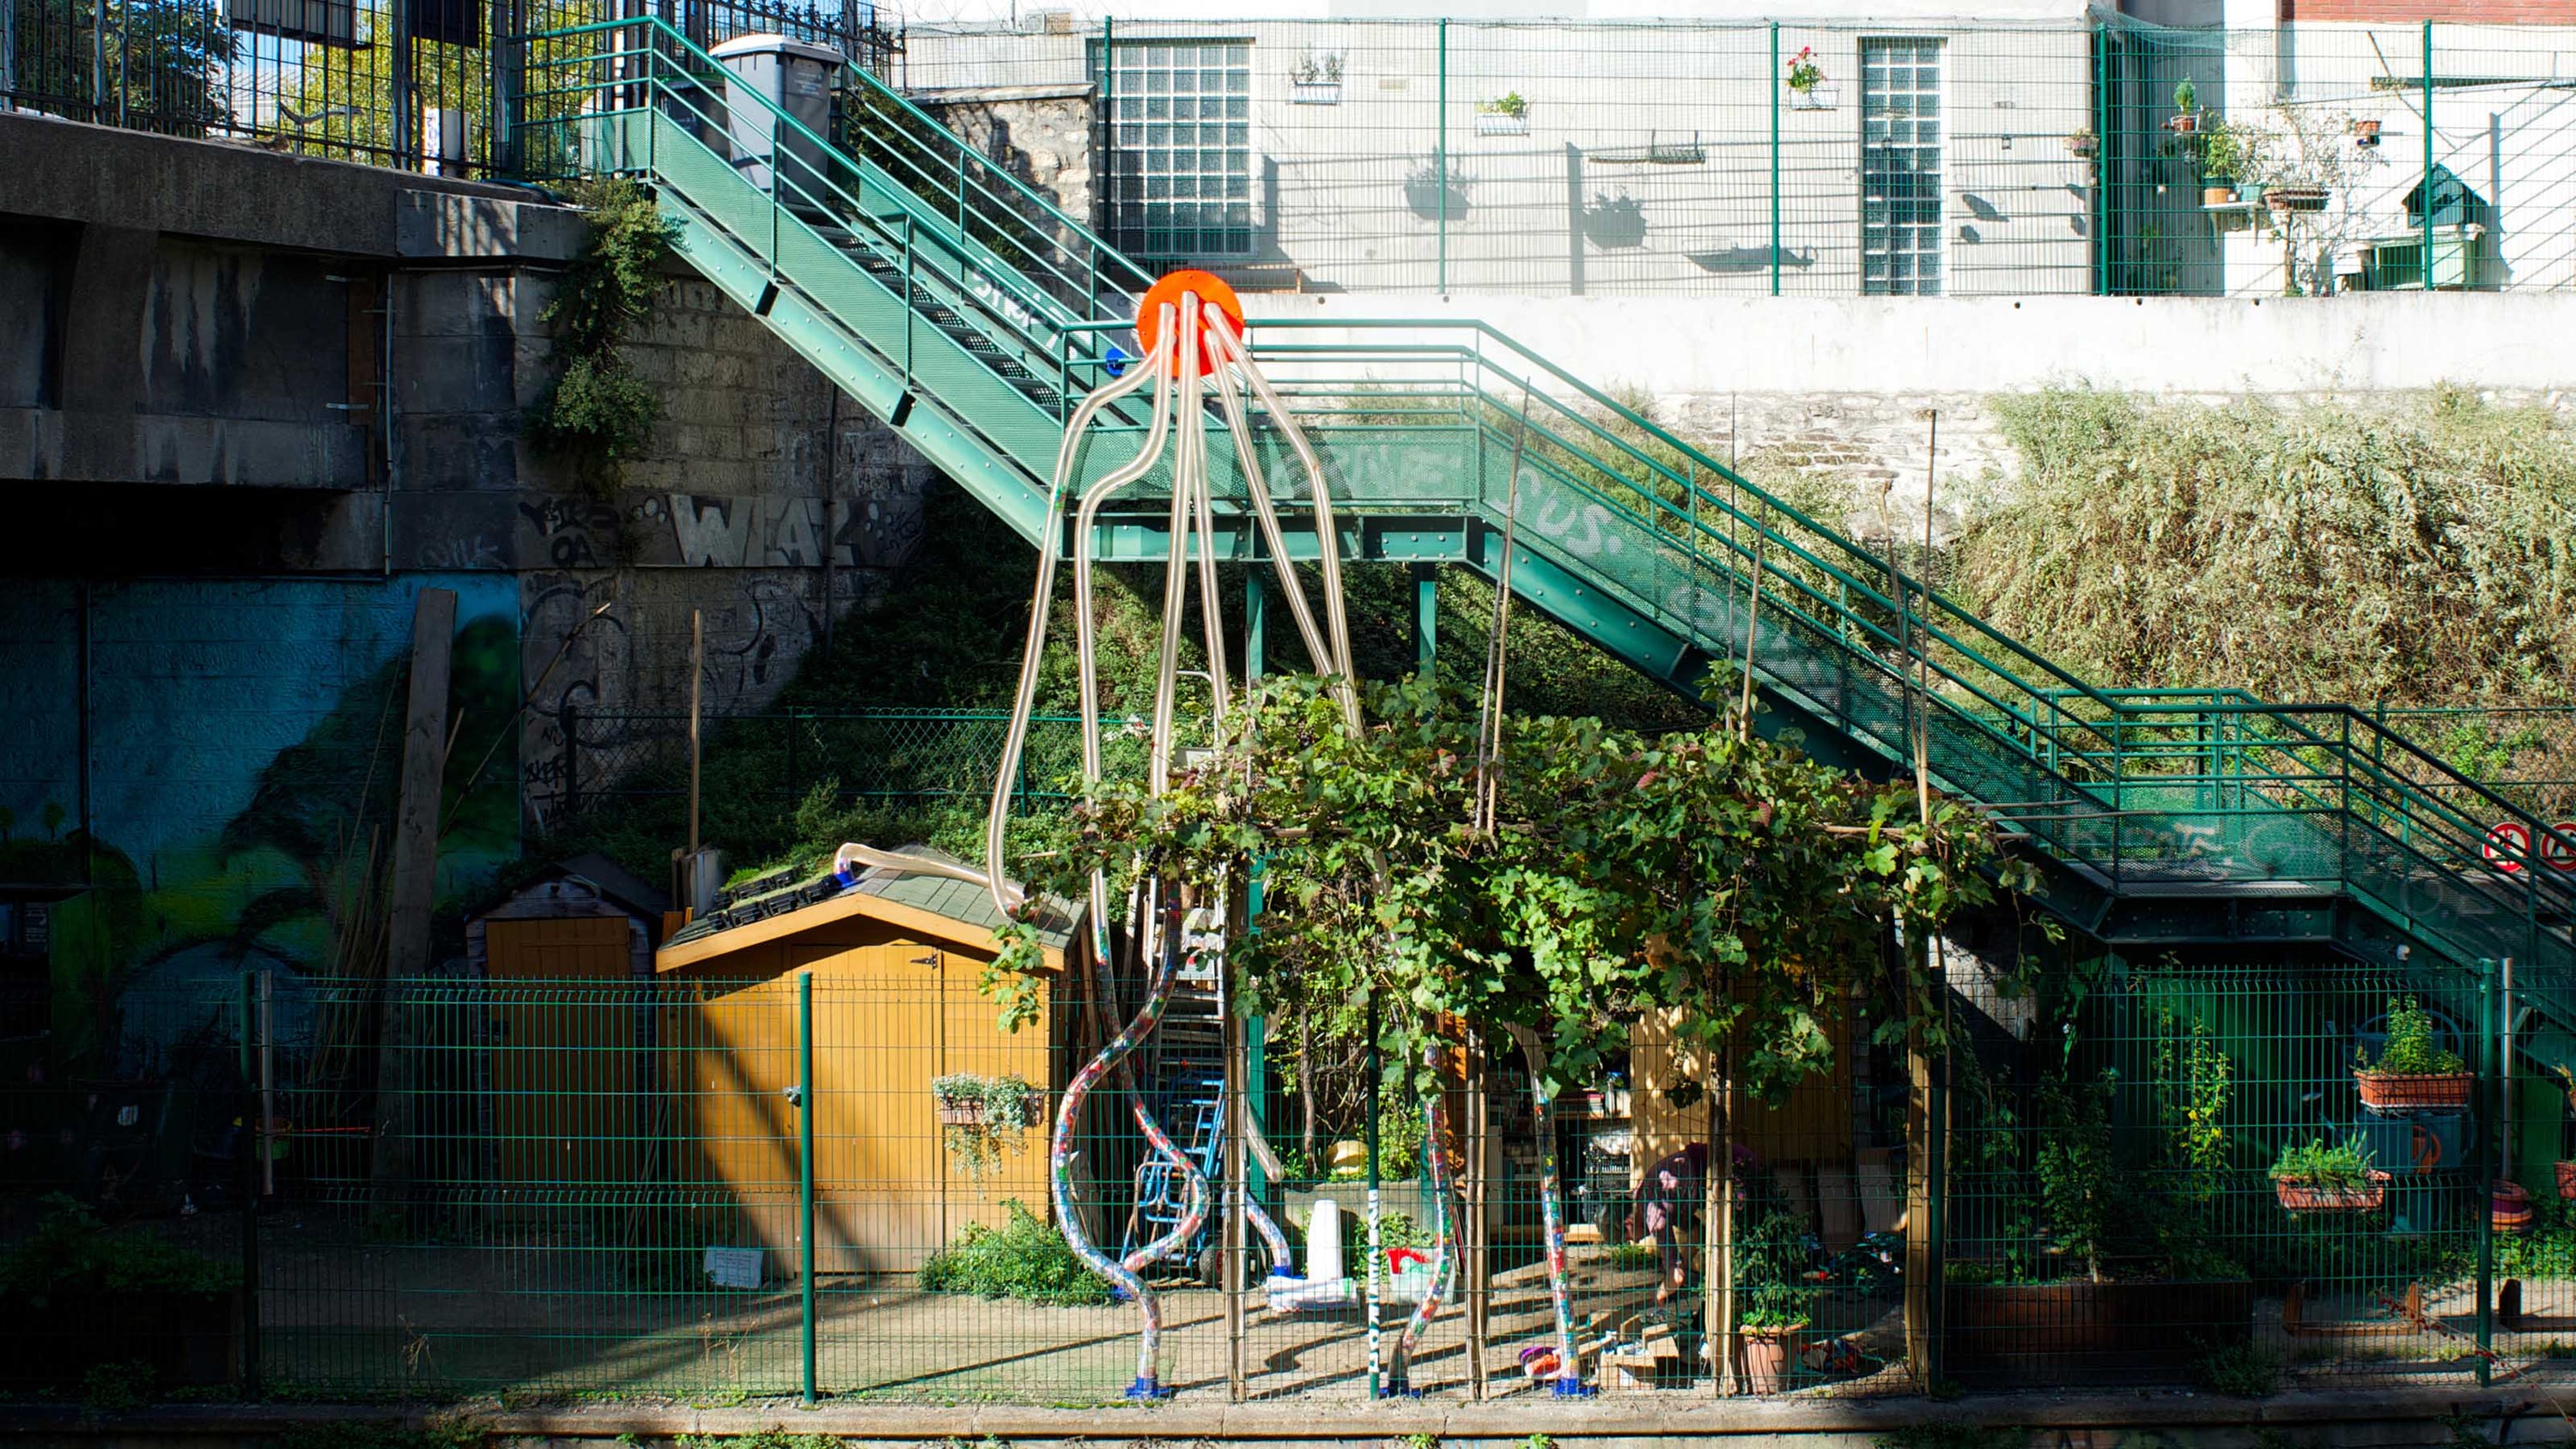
894	963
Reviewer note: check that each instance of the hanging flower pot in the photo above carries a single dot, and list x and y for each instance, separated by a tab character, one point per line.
2313	198
2083	145
2365	133
2317	1197
2396	1091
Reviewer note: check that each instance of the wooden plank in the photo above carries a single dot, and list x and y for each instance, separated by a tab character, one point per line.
414	887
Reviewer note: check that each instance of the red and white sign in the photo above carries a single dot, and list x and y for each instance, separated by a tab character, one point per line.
2507	846
2555	854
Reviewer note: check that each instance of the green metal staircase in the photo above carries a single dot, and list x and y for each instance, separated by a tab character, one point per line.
956	303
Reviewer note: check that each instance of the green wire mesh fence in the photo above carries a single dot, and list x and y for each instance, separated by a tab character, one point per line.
718	1182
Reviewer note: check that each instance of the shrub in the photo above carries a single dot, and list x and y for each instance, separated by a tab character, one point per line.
2411	1049
71	1251
1024	1259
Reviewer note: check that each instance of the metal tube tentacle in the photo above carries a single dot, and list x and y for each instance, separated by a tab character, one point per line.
1024	702
1328	542
1444	1258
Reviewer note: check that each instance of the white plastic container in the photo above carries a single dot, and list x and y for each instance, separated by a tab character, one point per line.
1324	1242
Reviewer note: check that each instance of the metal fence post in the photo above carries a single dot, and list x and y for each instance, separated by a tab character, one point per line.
2425	266
2101	160
805	1168
1772	88
2485	1190
248	1144
1440	151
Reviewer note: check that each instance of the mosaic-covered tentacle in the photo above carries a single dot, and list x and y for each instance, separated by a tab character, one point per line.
1444	1251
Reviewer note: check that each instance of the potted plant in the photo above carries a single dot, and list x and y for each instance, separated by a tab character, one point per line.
1775	1316
2186	109
2109	1262
2222	157
1804	78
1615	223
2414	1071
2083	145
2365	132
2324	1177
2509	1206
1316	78
980	1116
1504	115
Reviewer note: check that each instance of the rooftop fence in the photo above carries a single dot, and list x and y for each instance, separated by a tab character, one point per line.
1817	159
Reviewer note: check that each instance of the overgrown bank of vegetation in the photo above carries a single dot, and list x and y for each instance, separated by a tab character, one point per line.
2414	555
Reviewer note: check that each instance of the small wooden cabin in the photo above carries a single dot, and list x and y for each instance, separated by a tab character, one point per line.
1815	1145
894	962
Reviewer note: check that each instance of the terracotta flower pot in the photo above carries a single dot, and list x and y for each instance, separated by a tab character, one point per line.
2567	1180
2184	125
2396	1091
2308	1197
2215	195
1767	1352
2509	1206
961	1114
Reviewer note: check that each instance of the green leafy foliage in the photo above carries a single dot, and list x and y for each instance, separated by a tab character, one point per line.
1710	871
1004	1109
117	1387
1023	1259
2241	1370
72	1252
597	414
2334	1166
2413	1047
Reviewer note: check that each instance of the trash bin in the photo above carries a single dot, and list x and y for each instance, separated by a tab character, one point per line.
766	75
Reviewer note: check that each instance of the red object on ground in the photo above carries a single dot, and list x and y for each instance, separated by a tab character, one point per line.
1210	288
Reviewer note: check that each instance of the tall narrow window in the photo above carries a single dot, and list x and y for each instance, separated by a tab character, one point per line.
1183	149
1900	167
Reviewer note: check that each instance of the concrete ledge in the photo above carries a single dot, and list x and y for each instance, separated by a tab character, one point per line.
235	191
2382	1415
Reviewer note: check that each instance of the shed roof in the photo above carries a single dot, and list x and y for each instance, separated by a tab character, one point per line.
937	906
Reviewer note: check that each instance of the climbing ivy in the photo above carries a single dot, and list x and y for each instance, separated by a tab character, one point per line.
1707	870
597	413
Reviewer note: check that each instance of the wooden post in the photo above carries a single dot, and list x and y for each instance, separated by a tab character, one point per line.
1717	1220
414	888
1234	1166
1926	1137
1474	1234
697	694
